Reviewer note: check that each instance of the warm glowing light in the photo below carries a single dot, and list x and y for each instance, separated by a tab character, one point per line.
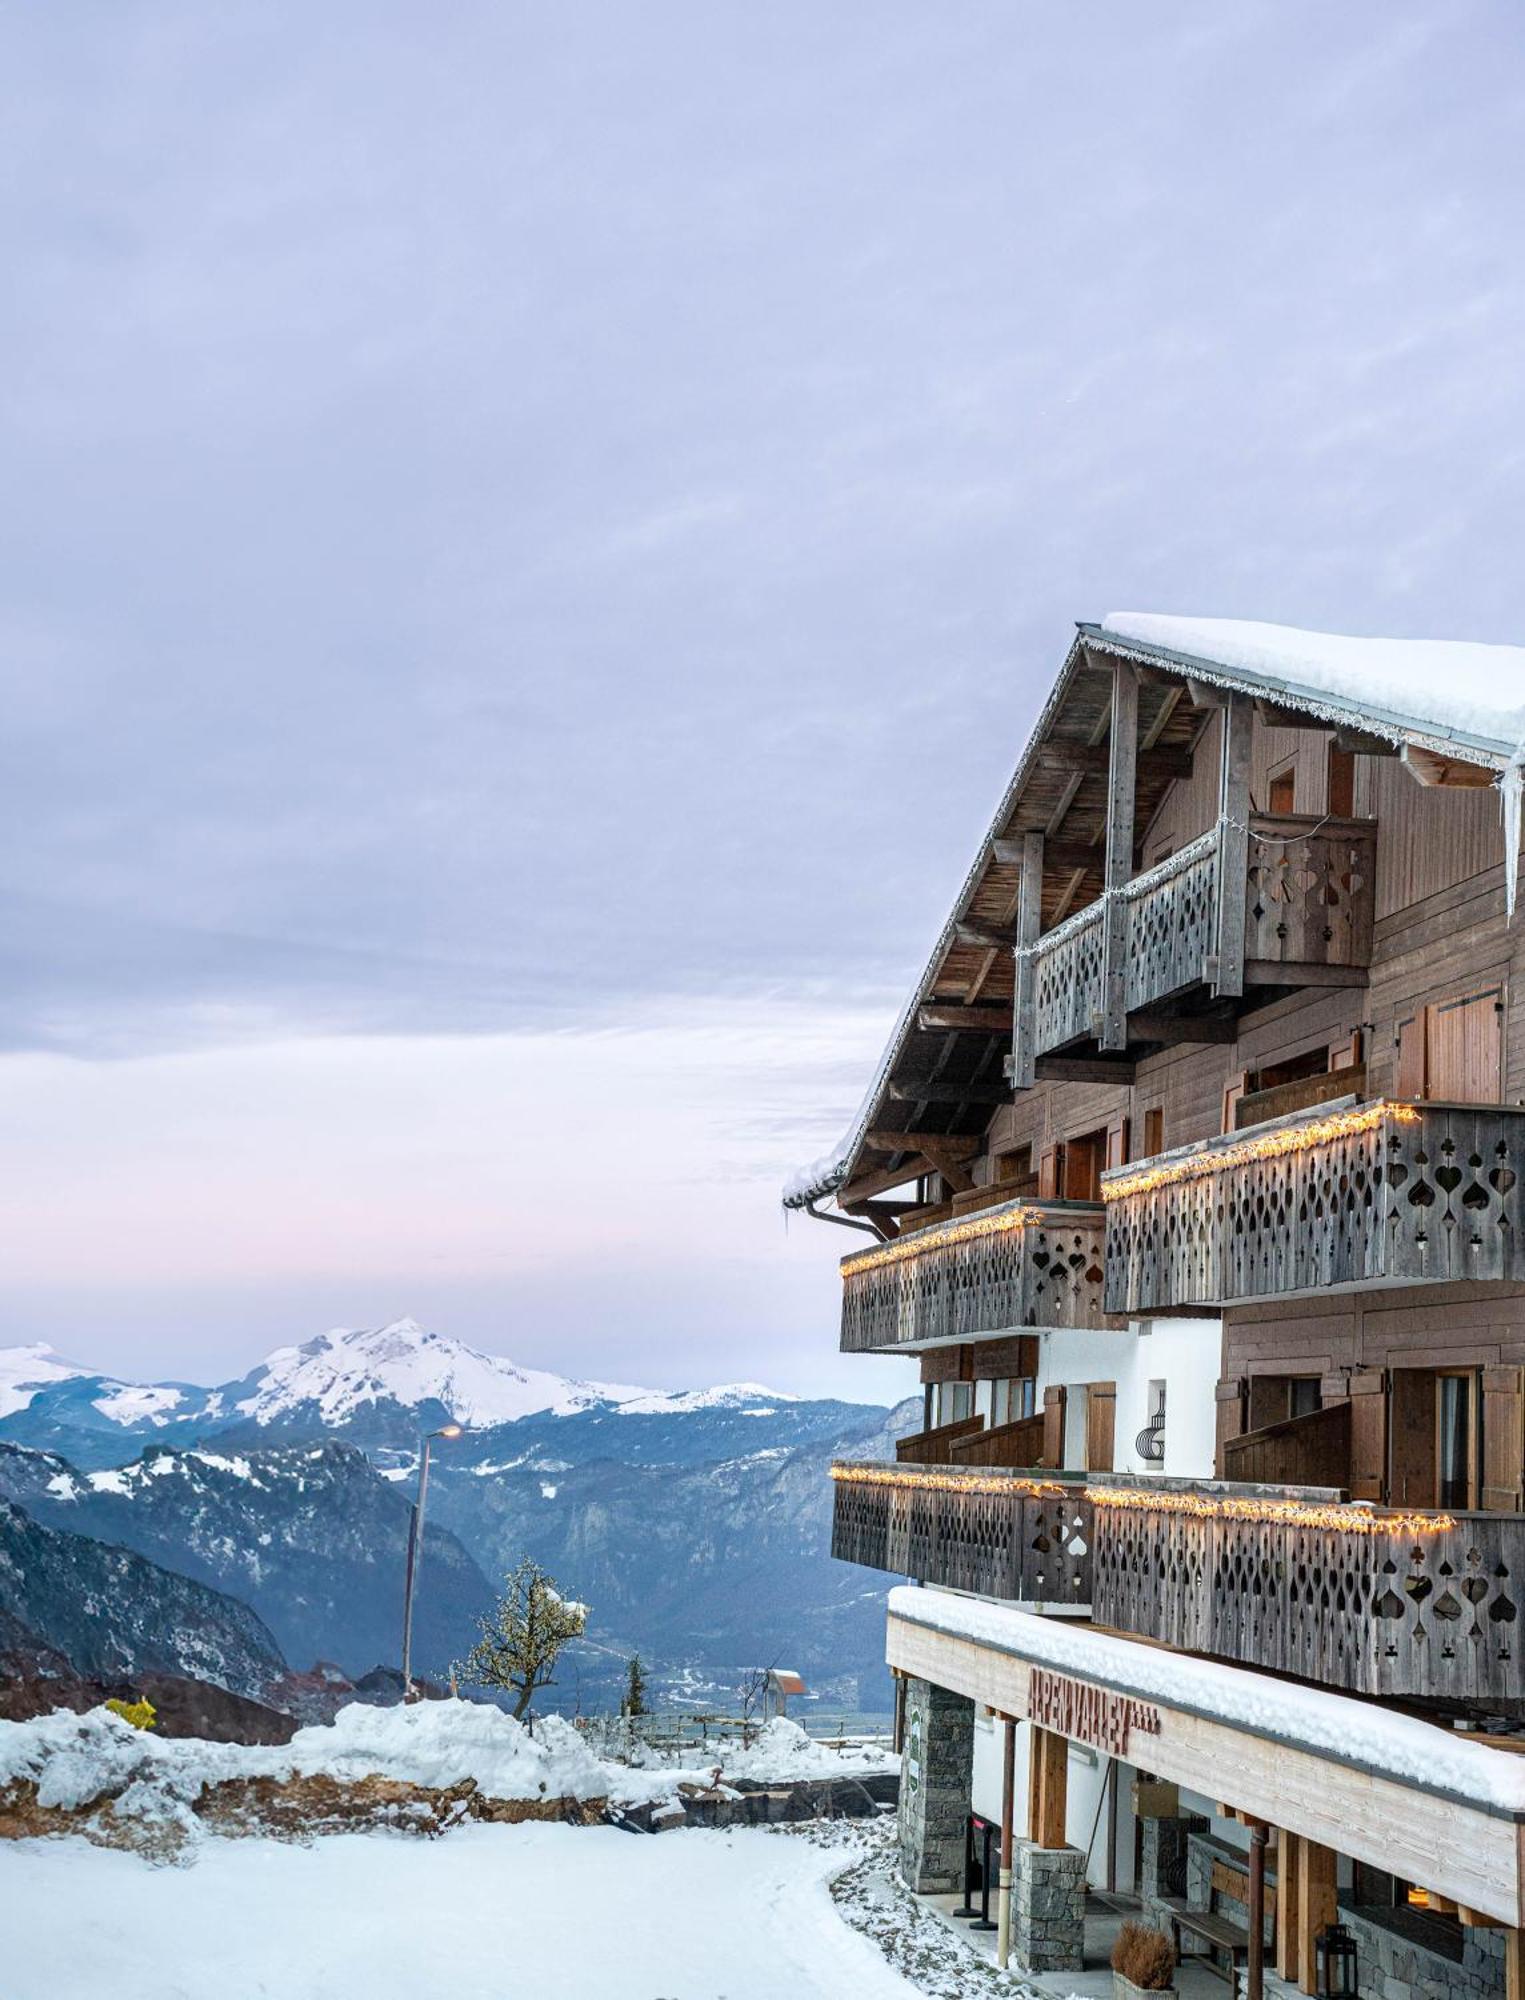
1265	1146
996	1223
946	1479
1280	1513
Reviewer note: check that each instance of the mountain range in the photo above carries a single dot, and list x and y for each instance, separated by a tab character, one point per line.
696	1523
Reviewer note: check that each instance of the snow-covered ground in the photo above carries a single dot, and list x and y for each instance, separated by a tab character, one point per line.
492	1913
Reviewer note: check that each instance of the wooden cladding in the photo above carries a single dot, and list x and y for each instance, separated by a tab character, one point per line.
1021	1265
1398	1613
1425	1195
1303	896
1310	1450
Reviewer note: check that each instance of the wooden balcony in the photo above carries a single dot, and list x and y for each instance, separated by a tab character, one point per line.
1022	1264
1345	1195
996	1532
1286	1579
1403	1605
1175	938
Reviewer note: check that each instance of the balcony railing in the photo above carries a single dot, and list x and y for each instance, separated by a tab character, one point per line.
1416	1606
1309	900
1346	1194
1022	1264
998	1533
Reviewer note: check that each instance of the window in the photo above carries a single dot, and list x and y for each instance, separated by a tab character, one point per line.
1281	794
1456	1439
1341	773
1305	1396
1013	1399
953	1402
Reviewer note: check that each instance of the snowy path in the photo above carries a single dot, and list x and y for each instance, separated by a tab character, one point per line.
489	1913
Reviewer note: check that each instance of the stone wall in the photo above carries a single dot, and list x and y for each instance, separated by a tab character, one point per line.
937	1772
1048	1898
1393	1966
1164	1863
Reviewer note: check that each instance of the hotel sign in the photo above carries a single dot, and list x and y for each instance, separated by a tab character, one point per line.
1087	1714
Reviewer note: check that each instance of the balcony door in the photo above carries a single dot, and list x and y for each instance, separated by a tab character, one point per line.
1437	1438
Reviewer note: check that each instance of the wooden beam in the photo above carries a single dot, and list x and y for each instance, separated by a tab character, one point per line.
1024	1030
881	1180
1233	845
1429	767
964	1020
1058	855
884	1215
950	1165
1122	785
1048	1771
958	1145
935	1091
1274	972
1205	695
1177	1030
988	937
1094	758
1361	743
1275	716
1317	1905
1514	1964
1084	1069
1287	1930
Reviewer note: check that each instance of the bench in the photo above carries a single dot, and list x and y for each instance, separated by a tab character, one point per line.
1217	1933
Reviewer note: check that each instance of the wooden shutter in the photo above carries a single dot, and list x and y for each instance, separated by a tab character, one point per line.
1464	1048
1231	1415
1504	1440
1346	1054
1409	1071
1117	1141
1413	1446
1101	1425
1053	1426
1233	1090
1048	1173
1154	1131
1368	1434
1081	1177
1341	773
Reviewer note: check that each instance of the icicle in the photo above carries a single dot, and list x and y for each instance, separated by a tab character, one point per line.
1511	779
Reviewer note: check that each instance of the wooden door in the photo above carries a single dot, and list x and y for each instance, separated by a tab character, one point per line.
1414	1467
1101	1425
1053	1426
1048	1173
1231	1415
1368	1434
1082	1167
1117	1142
1409	1070
1503	1490
1464	1048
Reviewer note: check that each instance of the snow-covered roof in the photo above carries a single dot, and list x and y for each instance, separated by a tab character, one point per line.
1337	1726
1457	697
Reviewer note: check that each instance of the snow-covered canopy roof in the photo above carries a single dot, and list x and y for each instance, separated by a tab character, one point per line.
1457	699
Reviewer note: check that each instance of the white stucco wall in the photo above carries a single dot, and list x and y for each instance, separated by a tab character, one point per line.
1086	1826
1183	1353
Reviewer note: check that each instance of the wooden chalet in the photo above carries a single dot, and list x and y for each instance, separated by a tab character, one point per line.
1193	1183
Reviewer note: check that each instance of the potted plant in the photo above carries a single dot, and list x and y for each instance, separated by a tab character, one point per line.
1143	1961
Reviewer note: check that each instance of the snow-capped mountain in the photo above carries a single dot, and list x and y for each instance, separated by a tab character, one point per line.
380	1386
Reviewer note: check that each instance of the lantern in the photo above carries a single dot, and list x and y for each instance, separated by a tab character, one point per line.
1335	1962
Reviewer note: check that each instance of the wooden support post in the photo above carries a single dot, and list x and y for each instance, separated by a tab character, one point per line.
1233	845
1122	781
1287	1845
1008	1813
1024	1023
1514	1965
1255	1969
1316	1906
1047	1787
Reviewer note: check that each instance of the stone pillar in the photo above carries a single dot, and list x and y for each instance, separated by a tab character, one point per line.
936	1783
1163	1863
1048	1903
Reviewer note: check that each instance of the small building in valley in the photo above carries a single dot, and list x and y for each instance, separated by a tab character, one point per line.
1192	1186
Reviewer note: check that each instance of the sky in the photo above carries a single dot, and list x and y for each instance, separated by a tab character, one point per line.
534	536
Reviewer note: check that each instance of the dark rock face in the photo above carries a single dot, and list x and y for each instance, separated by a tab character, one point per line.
311	1537
108	1614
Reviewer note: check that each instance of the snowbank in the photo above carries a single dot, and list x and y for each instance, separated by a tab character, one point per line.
1307	1718
78	1759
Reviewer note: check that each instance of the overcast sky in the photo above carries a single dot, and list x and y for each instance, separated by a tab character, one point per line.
533	537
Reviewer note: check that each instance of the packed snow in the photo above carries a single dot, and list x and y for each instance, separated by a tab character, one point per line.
77	1759
1434	685
1397	1746
492	1912
25	1370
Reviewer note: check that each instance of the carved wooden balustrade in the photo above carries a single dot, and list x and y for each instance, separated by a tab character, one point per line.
1022	1264
1309	900
1390	1604
1003	1534
1347	1194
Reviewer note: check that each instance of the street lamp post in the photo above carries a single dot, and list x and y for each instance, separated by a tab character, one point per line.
415	1555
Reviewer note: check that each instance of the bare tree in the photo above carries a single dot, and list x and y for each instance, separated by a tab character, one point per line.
753	1691
524	1635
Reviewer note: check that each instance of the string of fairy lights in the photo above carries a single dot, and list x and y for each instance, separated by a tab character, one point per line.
996	1222
1264	1511
1263	1146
